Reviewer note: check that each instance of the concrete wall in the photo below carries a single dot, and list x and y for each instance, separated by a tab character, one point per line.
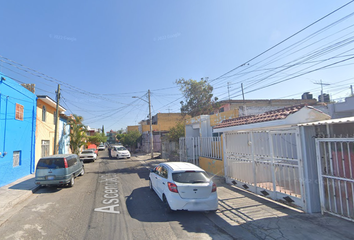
343	109
162	122
219	117
16	135
253	107
212	166
133	128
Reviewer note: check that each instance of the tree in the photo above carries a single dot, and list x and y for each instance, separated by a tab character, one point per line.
198	97
97	138
176	132
77	133
120	134
130	139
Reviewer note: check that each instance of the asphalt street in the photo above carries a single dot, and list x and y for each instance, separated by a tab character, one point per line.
111	201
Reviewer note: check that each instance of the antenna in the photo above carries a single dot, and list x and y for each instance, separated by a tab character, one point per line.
321	83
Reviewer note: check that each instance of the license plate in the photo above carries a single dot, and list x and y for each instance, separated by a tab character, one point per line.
50	177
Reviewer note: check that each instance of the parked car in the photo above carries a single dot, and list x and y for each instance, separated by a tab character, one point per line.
59	169
88	155
183	186
95	150
120	152
93	147
101	147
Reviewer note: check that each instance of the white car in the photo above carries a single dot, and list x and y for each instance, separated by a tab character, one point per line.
88	155
101	147
120	152
183	186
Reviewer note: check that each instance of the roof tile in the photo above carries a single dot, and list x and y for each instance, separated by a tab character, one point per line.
264	117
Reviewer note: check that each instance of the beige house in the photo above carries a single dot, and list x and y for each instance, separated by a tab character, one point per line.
45	126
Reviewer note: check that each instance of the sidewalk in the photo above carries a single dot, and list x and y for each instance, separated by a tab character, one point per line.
15	193
249	216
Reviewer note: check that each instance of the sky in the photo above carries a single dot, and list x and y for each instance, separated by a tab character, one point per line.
102	53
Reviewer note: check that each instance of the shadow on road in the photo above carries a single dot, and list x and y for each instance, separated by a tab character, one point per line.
242	216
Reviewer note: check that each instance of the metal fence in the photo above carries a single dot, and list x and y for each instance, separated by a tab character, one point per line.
211	147
335	161
266	162
191	148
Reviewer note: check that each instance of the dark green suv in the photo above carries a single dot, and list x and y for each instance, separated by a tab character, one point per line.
59	169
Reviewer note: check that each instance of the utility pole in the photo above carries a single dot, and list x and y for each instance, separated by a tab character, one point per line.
151	136
150	120
56	121
351	90
321	83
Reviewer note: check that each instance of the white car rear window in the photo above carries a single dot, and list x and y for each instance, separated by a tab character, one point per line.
190	177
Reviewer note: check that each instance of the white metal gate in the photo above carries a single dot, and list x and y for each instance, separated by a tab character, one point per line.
189	149
335	161
266	162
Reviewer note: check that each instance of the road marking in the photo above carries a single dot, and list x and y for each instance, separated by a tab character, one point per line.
110	194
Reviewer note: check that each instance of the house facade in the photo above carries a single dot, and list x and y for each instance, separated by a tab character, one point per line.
17	131
46	110
132	128
161	124
111	136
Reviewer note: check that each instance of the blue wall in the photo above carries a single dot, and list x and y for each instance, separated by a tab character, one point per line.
16	135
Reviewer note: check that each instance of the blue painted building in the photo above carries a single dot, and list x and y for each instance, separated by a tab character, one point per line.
17	130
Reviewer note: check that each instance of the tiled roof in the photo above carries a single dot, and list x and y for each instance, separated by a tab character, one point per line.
264	117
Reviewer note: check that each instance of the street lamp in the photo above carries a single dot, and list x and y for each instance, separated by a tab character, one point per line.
151	136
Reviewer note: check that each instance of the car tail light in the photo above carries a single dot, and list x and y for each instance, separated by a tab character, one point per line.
172	187
214	188
65	163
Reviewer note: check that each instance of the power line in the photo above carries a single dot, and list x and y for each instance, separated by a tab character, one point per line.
303	29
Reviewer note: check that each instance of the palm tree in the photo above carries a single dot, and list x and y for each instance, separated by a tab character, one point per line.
77	133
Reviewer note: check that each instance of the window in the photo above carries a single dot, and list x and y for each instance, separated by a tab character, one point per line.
19	112
44	113
45	148
163	172
71	161
221	109
16	158
50	163
190	177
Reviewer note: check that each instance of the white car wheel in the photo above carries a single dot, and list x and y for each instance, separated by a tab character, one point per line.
167	206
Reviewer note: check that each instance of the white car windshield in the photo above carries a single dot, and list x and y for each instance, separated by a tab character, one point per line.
190	177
